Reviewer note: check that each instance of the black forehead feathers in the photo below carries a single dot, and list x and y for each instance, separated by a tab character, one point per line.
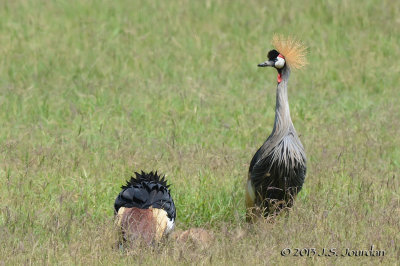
273	54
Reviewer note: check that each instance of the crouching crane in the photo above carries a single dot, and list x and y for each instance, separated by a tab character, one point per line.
144	209
278	169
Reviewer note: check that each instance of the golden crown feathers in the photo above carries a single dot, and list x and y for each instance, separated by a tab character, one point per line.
293	50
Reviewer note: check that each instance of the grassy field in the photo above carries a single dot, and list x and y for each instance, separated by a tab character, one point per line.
91	91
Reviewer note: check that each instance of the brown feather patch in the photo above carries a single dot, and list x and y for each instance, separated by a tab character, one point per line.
293	50
142	224
137	224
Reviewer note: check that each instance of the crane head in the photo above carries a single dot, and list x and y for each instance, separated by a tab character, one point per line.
289	52
275	59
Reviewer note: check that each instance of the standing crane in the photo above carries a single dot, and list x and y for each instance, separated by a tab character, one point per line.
278	168
144	209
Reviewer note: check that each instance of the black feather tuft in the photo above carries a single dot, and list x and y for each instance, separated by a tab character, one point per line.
146	190
143	177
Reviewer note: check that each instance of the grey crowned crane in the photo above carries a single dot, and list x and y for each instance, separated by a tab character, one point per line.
144	209
278	168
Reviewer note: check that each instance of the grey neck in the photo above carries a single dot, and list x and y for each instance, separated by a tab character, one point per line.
285	151
283	120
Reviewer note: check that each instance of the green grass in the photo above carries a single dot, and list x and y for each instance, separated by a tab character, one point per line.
91	91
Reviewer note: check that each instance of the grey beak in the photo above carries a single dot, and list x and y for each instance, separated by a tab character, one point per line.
267	64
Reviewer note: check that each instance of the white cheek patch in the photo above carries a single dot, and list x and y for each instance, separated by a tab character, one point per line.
280	62
170	226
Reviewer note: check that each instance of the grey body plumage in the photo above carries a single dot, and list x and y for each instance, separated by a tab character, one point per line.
277	170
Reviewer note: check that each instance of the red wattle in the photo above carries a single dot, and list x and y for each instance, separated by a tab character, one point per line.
279	78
